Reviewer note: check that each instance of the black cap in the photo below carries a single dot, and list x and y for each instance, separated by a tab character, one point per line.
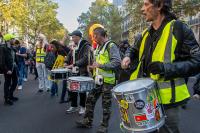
76	33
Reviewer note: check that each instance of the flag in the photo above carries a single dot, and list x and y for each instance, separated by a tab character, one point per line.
140	117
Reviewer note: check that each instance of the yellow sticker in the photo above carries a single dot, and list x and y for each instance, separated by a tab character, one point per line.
124	104
59	62
124	115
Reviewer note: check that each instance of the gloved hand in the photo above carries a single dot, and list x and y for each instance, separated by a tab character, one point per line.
156	68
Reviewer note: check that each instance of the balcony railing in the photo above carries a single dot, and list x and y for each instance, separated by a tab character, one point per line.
195	21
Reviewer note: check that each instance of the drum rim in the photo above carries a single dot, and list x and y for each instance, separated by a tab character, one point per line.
159	125
63	70
124	92
70	78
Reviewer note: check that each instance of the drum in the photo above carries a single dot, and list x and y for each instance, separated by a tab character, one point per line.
60	74
80	84
139	104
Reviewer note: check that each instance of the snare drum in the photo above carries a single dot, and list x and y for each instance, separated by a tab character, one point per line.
60	74
139	104
80	84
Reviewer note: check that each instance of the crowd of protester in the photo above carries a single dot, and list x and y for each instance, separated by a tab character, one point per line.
138	62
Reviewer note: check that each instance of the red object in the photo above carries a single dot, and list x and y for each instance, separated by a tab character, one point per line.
155	103
94	44
74	86
49	48
140	118
157	115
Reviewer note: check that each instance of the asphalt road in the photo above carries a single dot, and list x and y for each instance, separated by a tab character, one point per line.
40	113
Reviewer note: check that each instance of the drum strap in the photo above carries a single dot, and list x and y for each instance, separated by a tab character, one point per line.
173	91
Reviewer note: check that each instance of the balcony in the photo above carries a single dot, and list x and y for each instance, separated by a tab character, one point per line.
195	21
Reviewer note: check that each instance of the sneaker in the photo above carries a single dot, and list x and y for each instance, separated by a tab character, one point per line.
84	123
25	79
14	99
19	87
102	129
82	111
72	110
8	102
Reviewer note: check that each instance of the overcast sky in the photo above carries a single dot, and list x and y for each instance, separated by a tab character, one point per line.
69	10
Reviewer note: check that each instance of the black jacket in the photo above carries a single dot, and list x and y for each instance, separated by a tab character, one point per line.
82	57
10	59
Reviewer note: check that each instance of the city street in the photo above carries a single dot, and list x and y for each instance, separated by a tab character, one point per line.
39	113
110	40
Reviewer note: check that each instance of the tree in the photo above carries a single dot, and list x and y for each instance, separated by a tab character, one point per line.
11	12
30	18
184	7
114	24
102	12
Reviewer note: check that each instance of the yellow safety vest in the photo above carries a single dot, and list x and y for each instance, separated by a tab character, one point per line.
40	55
102	57
172	91
59	63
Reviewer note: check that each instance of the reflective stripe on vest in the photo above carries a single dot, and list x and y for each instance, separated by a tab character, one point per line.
40	55
164	52
134	75
102	57
167	84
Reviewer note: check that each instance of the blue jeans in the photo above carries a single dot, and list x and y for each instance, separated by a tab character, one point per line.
21	67
54	88
25	71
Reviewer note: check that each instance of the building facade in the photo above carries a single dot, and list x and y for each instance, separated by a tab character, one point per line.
194	23
126	25
126	19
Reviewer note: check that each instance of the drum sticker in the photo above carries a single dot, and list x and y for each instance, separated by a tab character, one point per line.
124	104
129	98
150	111
150	97
139	104
74	86
141	119
157	115
156	104
124	115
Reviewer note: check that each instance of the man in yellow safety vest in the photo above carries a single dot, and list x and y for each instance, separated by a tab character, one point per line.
167	52
107	60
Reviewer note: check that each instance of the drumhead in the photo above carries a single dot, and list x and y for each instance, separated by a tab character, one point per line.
81	78
61	70
134	85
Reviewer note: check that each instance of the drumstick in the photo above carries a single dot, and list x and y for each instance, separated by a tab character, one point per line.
73	56
89	63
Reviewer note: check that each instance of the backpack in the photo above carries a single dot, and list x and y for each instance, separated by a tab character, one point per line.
49	60
2	58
